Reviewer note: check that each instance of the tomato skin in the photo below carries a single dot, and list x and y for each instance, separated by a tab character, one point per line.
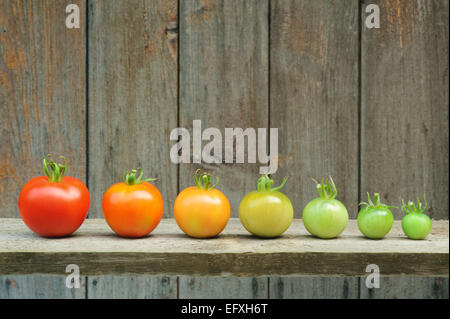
416	226
54	209
325	218
201	213
375	223
132	211
266	213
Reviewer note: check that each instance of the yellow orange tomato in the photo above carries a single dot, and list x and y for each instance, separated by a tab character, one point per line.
202	211
134	207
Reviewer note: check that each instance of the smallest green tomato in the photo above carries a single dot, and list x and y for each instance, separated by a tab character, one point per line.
266	212
416	225
375	219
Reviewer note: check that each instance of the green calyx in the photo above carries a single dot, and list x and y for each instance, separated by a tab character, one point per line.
130	178
204	180
412	208
54	171
376	203
326	188
265	184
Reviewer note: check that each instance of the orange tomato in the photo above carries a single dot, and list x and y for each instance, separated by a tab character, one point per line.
134	207
202	211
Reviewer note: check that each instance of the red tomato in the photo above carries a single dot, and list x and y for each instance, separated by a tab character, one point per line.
202	211
54	205
133	208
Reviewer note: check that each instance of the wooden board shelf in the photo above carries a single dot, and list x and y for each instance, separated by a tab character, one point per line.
168	251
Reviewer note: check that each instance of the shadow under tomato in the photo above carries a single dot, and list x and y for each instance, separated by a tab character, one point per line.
258	238
34	235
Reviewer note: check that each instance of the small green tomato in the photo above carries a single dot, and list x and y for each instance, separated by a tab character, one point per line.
416	225
325	216
375	219
266	212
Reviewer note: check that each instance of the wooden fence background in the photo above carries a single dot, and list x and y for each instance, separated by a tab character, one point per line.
367	106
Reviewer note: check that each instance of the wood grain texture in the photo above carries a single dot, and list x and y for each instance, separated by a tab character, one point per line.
407	287
40	287
132	287
314	96
227	287
224	80
132	94
404	147
168	251
42	94
308	287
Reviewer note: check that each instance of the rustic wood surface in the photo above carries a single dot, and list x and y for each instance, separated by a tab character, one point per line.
314	96
407	287
224	80
132	94
367	106
134	287
42	94
39	287
97	250
310	287
295	287
404	109
223	287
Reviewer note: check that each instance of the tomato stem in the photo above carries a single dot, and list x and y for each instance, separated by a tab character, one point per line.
376	203
412	208
326	188
56	172
130	178
204	181
265	184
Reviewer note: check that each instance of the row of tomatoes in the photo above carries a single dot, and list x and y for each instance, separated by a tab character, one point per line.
56	205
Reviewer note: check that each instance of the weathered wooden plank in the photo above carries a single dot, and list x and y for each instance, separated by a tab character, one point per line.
309	287
405	104
314	96
39	287
224	80
223	287
97	251
42	93
135	287
132	94
407	287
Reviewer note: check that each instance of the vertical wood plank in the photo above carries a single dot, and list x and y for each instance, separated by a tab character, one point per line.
132	94
407	287
212	287
224	80
133	287
308	287
314	96
405	104
39	287
42	93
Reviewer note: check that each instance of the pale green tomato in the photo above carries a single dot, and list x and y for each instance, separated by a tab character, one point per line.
325	216
266	212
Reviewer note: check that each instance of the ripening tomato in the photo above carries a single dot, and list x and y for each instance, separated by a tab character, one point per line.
325	216
202	211
266	212
54	205
416	225
375	220
134	207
